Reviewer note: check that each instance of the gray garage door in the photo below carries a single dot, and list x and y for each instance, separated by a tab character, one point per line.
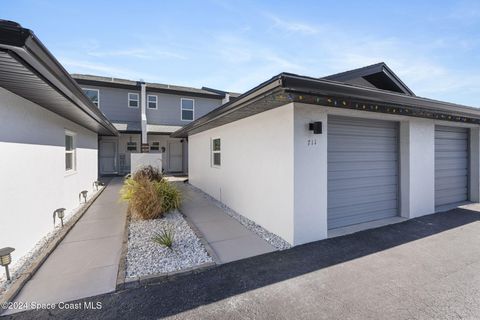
451	165
362	170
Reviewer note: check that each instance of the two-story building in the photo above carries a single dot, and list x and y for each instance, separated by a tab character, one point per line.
146	114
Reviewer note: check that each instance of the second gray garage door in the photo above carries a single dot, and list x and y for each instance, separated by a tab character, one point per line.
451	165
362	170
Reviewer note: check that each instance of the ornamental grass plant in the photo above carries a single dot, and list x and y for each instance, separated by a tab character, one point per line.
149	194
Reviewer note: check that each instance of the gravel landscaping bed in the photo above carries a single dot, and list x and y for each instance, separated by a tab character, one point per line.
273	239
146	257
22	264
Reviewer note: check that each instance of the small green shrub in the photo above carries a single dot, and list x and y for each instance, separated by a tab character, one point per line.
165	237
149	199
149	172
171	196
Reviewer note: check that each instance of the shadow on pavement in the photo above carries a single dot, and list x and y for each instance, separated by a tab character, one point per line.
191	291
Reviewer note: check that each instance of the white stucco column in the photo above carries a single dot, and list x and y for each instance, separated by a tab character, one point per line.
310	175
475	164
143	109
417	167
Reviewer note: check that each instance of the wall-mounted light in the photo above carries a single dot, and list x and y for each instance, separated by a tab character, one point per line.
5	259
96	184
163	149
316	127
84	195
60	213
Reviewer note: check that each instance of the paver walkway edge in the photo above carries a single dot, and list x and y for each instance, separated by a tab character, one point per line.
227	237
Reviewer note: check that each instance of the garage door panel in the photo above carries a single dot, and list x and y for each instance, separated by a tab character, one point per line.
447	198
362	182
449	146
362	144
364	207
460	154
450	183
362	170
361	156
348	130
451	173
352	174
355	219
451	165
451	135
362	165
346	205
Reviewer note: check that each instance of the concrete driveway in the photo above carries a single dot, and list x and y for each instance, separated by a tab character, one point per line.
420	269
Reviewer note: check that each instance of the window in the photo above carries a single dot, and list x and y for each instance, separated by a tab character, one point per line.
93	95
152	102
187	106
133	100
132	146
155	146
216	153
69	151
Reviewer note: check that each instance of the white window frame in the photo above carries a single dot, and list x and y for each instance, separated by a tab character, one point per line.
212	152
181	109
148	102
98	91
138	100
73	152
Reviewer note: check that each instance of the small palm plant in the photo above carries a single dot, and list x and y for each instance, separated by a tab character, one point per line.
165	237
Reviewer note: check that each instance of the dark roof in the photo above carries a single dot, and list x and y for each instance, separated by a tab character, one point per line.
29	70
286	87
221	92
86	79
377	75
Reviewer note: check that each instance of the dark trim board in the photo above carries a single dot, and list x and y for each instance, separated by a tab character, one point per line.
286	88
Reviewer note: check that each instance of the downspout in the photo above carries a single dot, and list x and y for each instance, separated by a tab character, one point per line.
226	99
143	109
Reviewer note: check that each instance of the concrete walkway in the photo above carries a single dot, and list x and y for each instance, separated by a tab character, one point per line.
86	262
229	239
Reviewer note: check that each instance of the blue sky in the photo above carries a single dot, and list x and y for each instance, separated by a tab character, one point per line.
433	46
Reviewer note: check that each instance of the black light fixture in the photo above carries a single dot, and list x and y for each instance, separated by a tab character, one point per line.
84	195
5	259
60	213
316	127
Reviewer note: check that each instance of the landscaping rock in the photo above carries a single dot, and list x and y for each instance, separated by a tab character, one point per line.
146	257
273	239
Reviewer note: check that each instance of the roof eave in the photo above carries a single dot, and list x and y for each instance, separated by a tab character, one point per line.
290	83
28	50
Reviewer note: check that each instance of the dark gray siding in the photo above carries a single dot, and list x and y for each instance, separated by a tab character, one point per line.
114	104
362	170
168	112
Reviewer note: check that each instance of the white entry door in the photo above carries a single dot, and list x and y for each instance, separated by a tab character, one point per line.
175	156
108	157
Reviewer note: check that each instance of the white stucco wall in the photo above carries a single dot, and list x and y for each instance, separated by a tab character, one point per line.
256	175
310	172
32	159
417	167
261	143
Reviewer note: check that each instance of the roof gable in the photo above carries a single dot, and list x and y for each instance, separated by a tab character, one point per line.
378	76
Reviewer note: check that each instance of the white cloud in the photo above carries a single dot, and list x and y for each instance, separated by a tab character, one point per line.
147	53
292	26
95	68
